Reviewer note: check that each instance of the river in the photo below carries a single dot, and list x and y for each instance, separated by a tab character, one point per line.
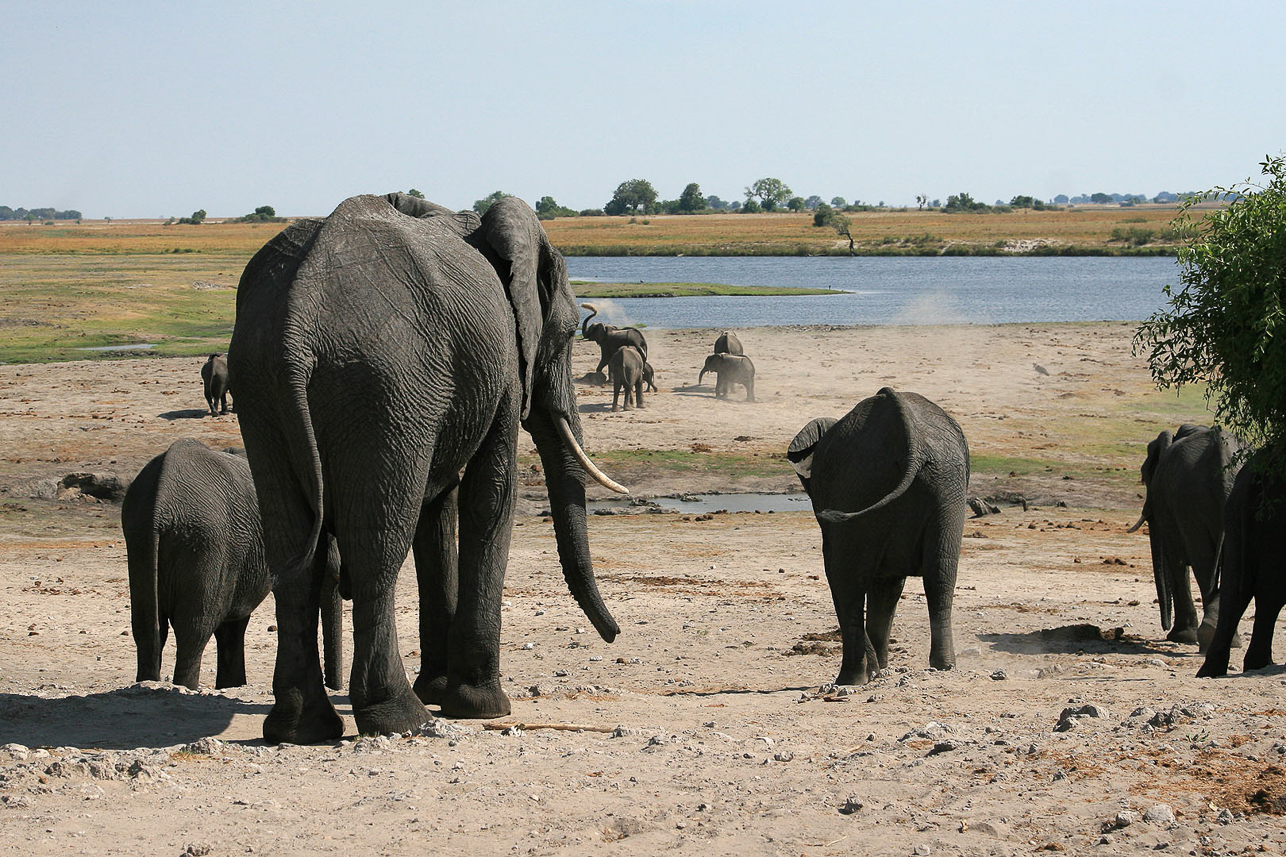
887	290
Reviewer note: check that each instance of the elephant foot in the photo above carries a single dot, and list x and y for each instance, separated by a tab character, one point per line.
854	677
291	721
471	702
1213	669
402	712
431	689
1182	635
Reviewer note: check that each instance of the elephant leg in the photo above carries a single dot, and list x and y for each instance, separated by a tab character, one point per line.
847	580
1185	608
939	566
638	394
881	604
189	643
230	646
750	389
1232	605
437	571
1259	653
487	496
616	396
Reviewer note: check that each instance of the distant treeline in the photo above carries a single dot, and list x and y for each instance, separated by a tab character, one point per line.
7	213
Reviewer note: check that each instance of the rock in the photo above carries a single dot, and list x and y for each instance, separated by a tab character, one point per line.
439	728
204	747
932	729
1226	816
1160	815
944	747
1070	716
372	744
104	486
1125	818
999	675
852	804
783	756
921	850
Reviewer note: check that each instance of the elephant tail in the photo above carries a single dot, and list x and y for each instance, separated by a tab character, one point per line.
834	516
1161	577
145	603
306	460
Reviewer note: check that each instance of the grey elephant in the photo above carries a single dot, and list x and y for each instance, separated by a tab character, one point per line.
1188	474
728	343
196	564
731	369
396	347
1253	564
214	382
649	377
888	484
610	337
626	371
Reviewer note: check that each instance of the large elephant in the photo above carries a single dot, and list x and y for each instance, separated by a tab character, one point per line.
196	563
1253	566
730	369
610	338
1188	475
888	484
396	346
214	383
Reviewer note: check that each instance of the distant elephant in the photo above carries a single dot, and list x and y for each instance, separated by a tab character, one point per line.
386	356
888	484
610	338
649	377
1188	475
195	552
731	369
728	343
1253	566
626	371
214	380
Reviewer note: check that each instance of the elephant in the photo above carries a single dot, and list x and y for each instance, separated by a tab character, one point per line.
1253	563
214	380
194	544
626	370
732	369
649	377
387	355
610	338
728	343
888	484
1188	475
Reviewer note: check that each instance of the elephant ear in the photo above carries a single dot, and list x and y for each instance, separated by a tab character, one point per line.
1155	450
800	451
531	270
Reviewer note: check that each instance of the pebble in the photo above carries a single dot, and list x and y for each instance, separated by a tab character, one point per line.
1160	815
852	804
999	675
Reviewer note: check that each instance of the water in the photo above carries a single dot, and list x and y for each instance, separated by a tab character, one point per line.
702	504
887	290
141	346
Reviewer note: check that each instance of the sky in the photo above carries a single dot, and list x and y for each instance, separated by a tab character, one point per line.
157	109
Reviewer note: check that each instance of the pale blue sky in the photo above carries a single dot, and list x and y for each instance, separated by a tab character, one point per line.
147	109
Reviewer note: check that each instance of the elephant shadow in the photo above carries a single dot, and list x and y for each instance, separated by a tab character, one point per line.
1070	639
694	390
595	408
150	714
187	414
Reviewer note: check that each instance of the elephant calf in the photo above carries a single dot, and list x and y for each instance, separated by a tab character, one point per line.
731	369
610	338
888	485
626	369
728	343
196	564
214	380
1253	566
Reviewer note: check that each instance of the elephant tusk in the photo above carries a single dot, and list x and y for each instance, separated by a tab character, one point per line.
599	476
1142	520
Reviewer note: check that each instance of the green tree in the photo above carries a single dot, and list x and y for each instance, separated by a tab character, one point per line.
548	209
197	217
796	203
1100	198
838	202
415	193
636	196
770	193
752	206
266	211
692	199
486	202
1225	325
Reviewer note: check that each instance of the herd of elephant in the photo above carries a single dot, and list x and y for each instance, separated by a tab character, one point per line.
385	358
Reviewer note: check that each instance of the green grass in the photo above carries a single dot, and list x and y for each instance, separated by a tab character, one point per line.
586	289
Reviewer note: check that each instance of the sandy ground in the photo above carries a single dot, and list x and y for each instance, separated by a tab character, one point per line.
1069	724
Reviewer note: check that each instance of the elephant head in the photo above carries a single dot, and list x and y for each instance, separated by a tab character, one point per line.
535	276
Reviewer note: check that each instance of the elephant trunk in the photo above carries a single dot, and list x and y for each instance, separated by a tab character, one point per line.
584	325
565	482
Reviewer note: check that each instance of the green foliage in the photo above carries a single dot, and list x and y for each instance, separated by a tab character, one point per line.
547	209
692	200
486	202
636	196
796	203
415	193
262	214
752	206
769	192
1136	236
197	217
963	202
822	215
1226	323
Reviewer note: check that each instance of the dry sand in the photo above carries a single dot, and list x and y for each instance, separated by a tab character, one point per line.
706	727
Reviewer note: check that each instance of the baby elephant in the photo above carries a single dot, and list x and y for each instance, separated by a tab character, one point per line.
214	378
626	371
728	343
732	369
196	564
